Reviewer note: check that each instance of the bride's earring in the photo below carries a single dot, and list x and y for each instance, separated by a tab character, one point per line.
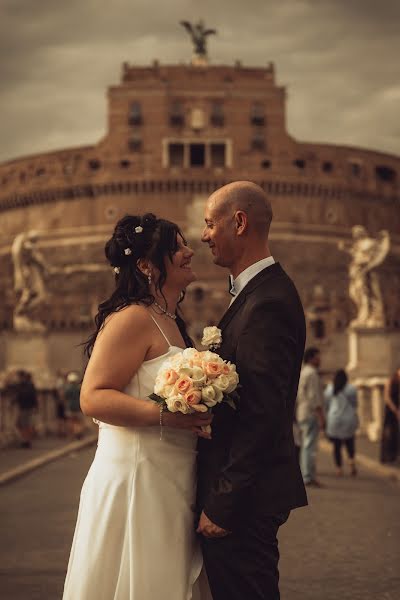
149	278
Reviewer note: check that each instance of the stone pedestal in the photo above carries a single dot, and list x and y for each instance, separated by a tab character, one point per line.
373	354
31	352
370	352
43	354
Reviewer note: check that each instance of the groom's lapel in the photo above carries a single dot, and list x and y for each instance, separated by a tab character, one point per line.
232	310
260	278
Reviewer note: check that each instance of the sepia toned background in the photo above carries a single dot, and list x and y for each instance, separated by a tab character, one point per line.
109	110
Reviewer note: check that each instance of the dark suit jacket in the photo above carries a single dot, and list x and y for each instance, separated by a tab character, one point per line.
250	464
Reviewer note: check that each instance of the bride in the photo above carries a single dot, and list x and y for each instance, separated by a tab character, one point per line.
135	533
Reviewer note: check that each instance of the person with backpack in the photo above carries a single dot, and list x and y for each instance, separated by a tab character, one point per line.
341	419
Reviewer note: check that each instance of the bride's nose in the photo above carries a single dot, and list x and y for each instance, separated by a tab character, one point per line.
189	252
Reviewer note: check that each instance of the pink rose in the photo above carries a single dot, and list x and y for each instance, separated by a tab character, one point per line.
183	384
171	377
193	397
213	369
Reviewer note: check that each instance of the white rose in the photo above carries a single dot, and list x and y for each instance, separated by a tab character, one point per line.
198	376
233	379
211	336
208	356
200	407
221	382
190	354
162	389
218	394
177	404
185	369
208	396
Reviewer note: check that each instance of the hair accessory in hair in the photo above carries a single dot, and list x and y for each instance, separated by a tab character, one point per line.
117	270
138	229
127	251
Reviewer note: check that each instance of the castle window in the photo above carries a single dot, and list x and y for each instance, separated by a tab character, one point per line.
257	114
41	171
355	169
124	164
265	164
177	115
176	155
258	141
327	167
94	164
135	114
300	163
217	155
197	155
135	143
217	118
384	173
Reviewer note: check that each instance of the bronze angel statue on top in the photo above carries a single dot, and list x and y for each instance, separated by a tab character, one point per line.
199	35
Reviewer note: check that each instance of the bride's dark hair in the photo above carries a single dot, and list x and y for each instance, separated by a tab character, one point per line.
136	238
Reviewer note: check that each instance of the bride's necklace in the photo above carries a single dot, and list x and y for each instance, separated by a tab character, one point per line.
163	310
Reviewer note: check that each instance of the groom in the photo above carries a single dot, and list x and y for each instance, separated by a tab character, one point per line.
249	478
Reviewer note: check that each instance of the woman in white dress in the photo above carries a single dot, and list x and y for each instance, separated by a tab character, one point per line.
135	534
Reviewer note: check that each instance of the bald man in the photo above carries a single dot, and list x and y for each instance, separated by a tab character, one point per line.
249	477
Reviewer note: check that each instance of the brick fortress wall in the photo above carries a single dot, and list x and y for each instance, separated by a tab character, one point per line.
176	133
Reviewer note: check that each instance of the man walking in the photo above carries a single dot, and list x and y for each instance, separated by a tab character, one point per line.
310	415
249	478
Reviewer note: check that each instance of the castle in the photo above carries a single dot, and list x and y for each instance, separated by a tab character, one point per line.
175	134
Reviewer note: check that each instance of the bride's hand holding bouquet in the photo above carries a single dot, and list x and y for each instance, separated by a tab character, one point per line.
195	381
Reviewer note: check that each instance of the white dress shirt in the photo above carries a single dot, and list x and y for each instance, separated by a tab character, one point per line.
247	275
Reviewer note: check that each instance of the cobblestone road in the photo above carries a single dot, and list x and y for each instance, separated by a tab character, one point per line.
345	545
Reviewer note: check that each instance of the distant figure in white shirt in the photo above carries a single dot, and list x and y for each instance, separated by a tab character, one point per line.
310	415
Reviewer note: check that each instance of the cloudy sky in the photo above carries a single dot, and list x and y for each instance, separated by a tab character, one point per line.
338	58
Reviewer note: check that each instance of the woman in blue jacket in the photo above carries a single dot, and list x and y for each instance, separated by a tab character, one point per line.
341	419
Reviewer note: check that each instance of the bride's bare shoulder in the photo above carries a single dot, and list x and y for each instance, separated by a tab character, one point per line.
132	315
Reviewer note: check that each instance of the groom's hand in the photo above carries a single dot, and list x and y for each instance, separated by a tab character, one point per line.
209	529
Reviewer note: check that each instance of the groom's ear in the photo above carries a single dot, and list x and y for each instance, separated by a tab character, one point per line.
241	222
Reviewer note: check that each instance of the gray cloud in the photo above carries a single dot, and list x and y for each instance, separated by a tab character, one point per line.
338	60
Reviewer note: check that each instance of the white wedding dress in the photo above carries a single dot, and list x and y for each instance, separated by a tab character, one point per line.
135	537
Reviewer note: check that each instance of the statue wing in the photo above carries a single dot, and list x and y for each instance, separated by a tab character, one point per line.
210	32
187	26
381	249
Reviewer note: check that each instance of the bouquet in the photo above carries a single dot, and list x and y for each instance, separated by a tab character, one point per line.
194	381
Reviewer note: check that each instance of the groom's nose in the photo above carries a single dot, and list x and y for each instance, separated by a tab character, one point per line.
204	235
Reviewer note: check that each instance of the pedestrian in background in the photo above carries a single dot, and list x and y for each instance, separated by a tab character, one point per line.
341	419
310	415
391	420
60	403
25	396
71	392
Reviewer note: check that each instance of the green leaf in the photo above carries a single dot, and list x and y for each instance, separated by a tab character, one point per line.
157	398
231	403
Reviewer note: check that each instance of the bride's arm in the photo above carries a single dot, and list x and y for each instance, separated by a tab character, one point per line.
120	349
